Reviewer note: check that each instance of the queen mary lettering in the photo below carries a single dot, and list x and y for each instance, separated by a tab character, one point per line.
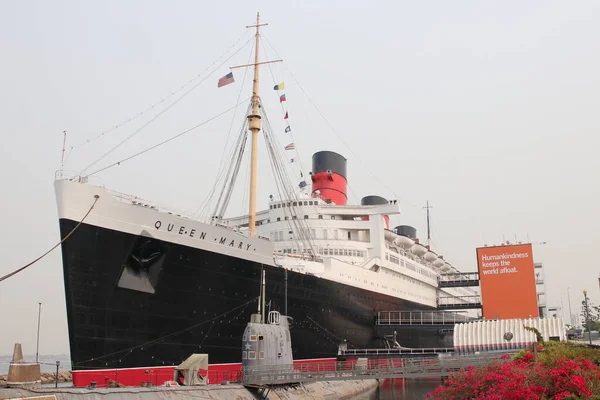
191	232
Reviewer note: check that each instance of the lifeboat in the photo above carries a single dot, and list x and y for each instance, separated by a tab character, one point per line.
446	267
404	242
439	262
430	256
389	235
418	250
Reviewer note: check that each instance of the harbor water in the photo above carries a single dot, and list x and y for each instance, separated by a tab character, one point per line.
44	367
403	389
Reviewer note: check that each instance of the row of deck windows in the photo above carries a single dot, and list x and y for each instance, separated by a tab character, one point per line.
409	265
312	233
294	204
332	252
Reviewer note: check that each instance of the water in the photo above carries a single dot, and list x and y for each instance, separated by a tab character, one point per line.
403	389
390	389
45	367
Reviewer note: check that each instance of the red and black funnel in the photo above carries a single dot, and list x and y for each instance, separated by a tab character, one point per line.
329	177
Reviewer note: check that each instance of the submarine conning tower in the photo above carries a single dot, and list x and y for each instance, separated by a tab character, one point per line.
329	177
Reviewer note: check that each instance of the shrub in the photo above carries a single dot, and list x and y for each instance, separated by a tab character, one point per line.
563	371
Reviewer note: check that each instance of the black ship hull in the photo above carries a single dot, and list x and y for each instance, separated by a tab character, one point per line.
135	301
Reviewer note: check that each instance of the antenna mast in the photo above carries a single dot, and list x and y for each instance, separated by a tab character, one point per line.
62	158
254	124
427	207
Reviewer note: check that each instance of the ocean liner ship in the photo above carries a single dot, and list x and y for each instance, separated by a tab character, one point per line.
147	287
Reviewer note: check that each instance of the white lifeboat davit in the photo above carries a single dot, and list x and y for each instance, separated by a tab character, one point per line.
418	250
439	262
404	242
430	256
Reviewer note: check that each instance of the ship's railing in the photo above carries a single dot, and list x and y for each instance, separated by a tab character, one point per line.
412	257
74	176
430	267
383	368
342	250
126	198
304	257
421	318
138	201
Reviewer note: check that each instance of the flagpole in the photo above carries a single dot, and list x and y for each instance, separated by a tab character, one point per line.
37	348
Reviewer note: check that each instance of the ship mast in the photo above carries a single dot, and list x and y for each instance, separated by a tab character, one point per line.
254	124
427	207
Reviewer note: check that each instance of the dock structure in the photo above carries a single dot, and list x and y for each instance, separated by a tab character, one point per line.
265	376
396	352
421	319
459	302
458	279
389	323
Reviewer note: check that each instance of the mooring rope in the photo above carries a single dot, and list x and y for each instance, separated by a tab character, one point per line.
96	197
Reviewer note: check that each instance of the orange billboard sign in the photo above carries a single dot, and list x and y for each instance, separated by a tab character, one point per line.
507	282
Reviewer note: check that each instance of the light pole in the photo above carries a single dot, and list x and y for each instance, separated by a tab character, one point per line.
587	315
570	312
37	349
56	380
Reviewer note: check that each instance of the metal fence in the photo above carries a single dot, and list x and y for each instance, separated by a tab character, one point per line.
353	370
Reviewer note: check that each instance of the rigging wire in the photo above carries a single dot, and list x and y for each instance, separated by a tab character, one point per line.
291	133
163	111
235	113
330	125
207	200
356	198
246	191
286	190
162	100
96	197
172	334
120	358
232	174
169	139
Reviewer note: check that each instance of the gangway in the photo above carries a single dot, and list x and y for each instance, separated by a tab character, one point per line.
458	279
436	319
459	302
264	376
402	352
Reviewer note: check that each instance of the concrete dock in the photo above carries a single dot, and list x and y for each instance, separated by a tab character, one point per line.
309	391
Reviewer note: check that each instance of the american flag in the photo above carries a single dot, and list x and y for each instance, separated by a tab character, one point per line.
226	80
290	146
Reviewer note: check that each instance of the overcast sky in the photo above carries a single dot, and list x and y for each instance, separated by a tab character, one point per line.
489	110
